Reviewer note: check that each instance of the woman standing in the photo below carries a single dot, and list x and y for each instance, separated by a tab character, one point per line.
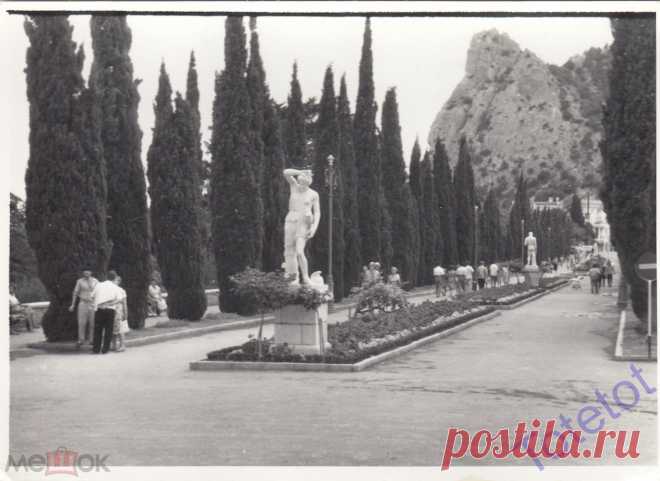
120	326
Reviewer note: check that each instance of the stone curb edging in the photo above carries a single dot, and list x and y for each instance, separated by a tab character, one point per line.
618	347
205	365
35	349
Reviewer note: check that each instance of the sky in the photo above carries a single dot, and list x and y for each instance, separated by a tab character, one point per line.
424	58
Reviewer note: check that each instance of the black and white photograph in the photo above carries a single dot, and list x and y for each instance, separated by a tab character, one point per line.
303	236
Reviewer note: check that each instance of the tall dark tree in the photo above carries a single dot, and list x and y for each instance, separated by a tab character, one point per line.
366	153
192	98
415	168
520	211
173	171
393	170
295	136
236	203
429	222
415	223
346	162
576	210
629	148
386	251
490	232
444	189
112	80
327	143
466	200
65	183
415	183
266	126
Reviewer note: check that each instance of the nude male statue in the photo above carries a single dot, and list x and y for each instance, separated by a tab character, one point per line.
530	243
301	222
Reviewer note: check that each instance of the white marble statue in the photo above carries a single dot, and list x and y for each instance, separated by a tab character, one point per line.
530	243
301	223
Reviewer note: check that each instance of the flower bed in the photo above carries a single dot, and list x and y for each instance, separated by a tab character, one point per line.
503	295
360	338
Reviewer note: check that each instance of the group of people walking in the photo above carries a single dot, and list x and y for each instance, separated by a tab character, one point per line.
460	278
102	312
601	274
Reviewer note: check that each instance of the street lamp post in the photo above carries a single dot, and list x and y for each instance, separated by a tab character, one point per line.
331	188
522	237
476	234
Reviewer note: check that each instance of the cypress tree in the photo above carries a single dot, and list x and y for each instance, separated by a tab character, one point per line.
175	204
295	136
519	211
490	235
415	171
429	222
266	125
576	210
370	205
629	148
346	162
394	181
413	274
386	251
327	143
465	202
415	183
256	84
444	189
236	203
65	182
192	98
117	95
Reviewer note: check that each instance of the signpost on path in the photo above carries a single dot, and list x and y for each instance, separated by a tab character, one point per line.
646	268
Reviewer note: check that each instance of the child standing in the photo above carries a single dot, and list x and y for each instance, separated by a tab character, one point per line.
120	325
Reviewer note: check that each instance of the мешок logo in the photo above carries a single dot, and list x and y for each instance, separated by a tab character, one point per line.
59	461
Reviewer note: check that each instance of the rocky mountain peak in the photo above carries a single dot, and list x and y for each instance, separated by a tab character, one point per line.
517	112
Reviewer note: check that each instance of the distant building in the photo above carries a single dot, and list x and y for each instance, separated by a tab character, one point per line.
595	215
592	209
551	203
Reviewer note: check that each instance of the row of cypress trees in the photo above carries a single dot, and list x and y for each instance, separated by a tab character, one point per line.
412	221
86	204
86	195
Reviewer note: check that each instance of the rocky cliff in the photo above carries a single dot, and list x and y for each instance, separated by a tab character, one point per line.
517	111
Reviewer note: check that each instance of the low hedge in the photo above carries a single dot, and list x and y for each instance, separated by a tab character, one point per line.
493	294
360	338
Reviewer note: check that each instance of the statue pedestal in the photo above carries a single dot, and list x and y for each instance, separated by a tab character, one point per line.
532	275
299	328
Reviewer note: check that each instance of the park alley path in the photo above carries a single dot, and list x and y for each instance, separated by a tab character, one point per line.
144	407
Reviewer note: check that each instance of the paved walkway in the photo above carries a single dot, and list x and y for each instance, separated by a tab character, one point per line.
145	407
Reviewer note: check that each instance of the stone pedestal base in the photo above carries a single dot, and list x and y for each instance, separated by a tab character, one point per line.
299	328
532	275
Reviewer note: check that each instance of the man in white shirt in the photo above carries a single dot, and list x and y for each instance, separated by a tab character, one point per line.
104	299
469	276
438	275
493	270
83	292
461	276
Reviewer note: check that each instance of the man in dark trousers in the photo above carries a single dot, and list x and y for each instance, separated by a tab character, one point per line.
105	298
